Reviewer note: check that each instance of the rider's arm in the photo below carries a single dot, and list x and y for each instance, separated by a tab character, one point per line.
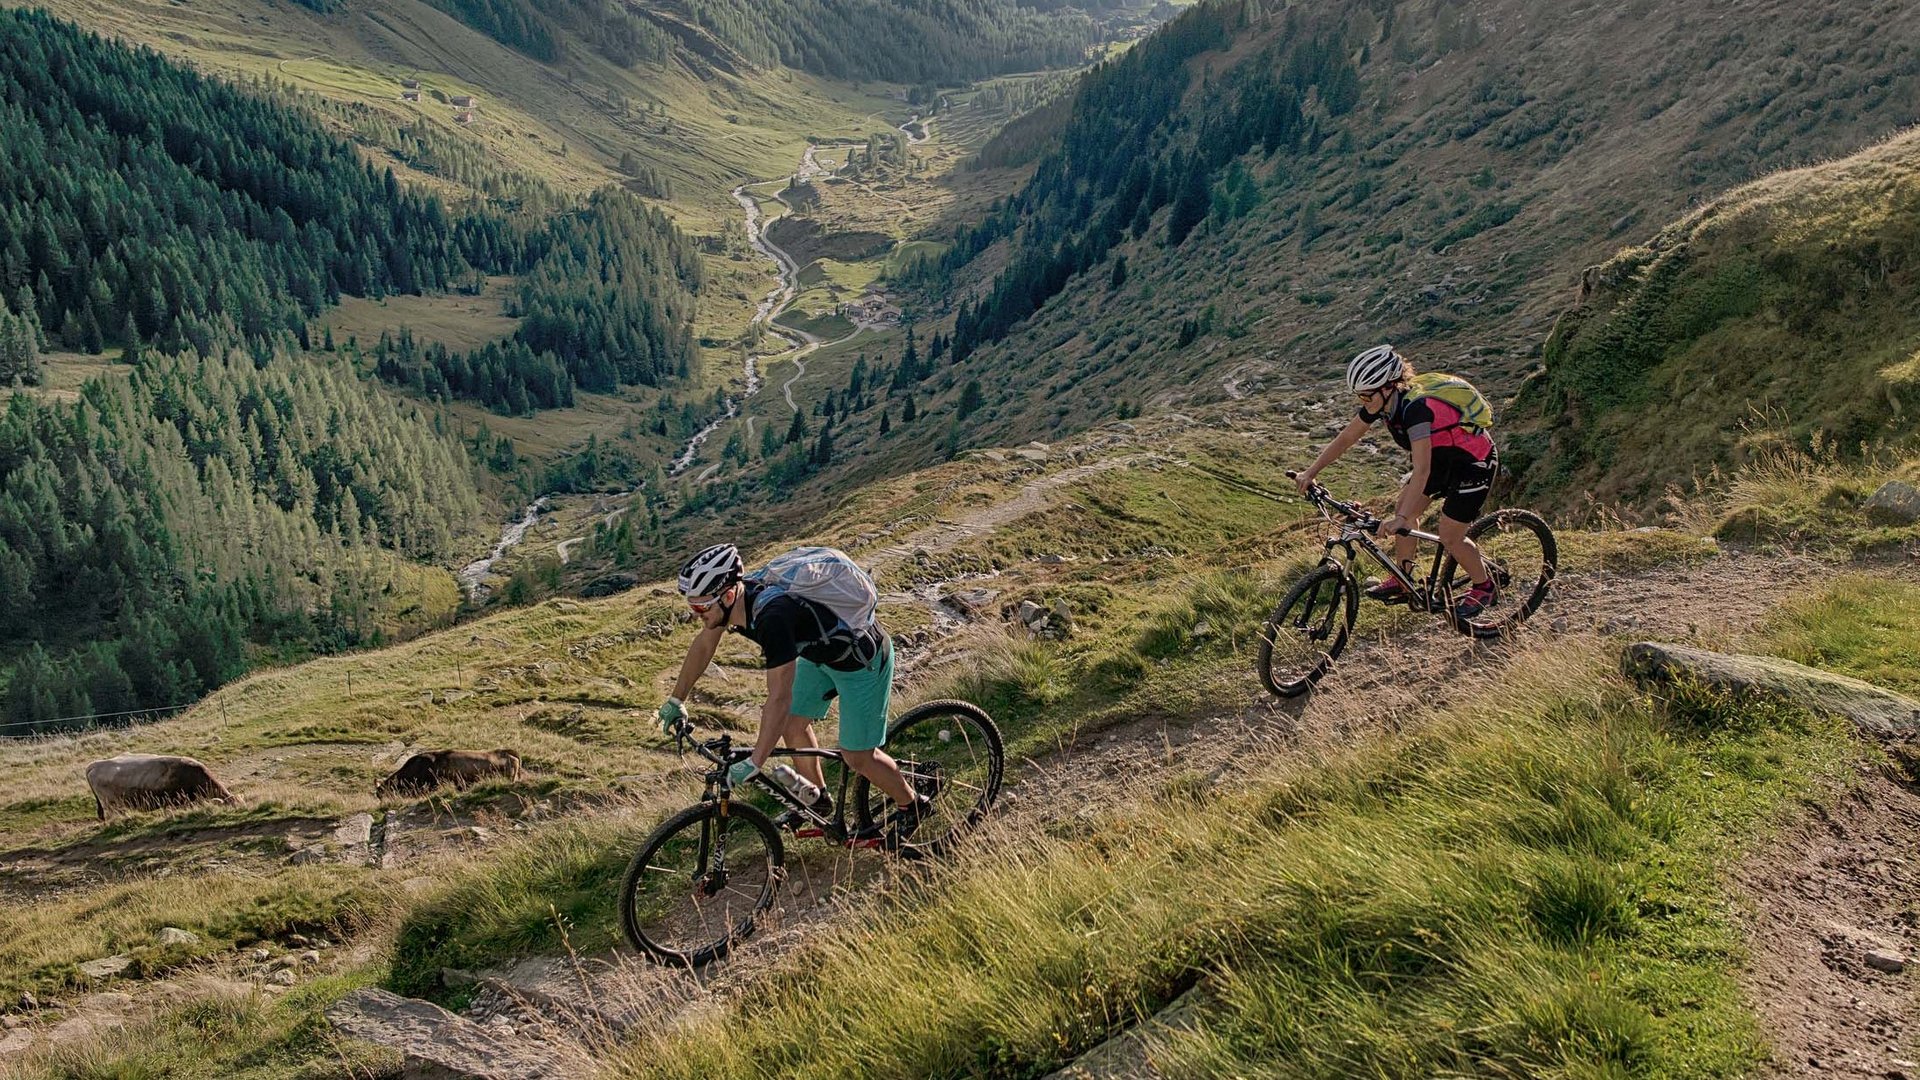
1356	429
699	655
1409	507
773	714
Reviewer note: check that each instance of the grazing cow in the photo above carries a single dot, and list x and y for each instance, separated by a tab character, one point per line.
429	769
150	780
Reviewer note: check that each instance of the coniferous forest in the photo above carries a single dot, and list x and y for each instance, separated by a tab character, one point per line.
143	203
607	302
227	497
1135	144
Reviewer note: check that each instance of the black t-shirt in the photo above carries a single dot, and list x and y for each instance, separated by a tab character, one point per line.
792	626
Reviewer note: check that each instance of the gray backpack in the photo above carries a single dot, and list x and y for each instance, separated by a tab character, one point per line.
828	577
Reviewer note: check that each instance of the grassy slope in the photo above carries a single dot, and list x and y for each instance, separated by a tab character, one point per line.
1667	105
1514	889
1792	301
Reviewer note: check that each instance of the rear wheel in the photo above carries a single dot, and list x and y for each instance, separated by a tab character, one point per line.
1521	555
1307	632
699	881
949	751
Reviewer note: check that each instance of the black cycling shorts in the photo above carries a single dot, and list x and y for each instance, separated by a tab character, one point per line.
1463	481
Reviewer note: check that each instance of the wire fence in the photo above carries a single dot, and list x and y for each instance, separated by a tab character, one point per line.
54	725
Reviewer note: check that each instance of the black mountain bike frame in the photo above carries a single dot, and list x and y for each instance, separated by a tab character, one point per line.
719	786
1357	530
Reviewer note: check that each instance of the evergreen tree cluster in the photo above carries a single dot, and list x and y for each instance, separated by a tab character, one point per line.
158	532
19	348
608	302
505	376
1139	140
612	294
143	203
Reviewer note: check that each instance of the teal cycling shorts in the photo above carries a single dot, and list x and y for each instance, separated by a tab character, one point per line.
864	696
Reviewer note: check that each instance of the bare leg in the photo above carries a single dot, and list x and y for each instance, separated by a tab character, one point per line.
799	735
1406	547
1454	535
884	772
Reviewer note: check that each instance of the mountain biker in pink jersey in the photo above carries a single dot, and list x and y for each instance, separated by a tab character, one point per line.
1452	457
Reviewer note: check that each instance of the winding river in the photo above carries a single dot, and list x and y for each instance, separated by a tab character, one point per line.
798	342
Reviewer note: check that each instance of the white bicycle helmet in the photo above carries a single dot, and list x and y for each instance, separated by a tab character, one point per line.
711	571
1374	369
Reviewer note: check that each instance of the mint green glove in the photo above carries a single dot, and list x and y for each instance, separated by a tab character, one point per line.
742	771
673	718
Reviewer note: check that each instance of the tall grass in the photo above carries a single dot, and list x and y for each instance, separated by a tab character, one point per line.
1525	888
1861	625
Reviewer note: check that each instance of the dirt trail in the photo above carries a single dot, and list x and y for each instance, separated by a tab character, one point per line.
944	535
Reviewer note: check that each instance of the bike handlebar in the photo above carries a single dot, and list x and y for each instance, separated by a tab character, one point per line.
1355	516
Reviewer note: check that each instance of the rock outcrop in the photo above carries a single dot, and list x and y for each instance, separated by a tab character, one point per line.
1872	710
436	1044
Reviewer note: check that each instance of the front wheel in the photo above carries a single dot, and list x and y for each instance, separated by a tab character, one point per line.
699	881
949	751
1523	558
1306	633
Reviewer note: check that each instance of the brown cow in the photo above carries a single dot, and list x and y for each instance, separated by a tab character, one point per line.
150	780
429	769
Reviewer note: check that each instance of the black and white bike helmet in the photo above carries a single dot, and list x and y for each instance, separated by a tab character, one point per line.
711	571
1374	369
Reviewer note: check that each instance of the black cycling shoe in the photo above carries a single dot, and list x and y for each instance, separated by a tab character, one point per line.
904	820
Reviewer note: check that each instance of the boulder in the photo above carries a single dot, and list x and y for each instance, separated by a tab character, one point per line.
1031	612
1887	960
356	831
436	1044
1894	504
173	935
1871	709
106	967
1061	617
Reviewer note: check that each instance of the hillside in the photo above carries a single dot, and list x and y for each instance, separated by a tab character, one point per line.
1783	309
1284	186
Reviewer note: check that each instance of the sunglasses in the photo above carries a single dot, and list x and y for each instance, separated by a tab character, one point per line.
702	606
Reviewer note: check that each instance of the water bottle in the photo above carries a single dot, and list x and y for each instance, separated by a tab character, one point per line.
801	788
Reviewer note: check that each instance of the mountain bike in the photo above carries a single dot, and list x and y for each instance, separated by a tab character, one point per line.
1308	630
706	873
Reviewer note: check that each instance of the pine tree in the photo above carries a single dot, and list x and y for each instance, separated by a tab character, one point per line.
971	399
907	412
797	430
1119	276
885	424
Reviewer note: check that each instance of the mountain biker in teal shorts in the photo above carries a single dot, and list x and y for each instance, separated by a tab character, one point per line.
812	657
1444	422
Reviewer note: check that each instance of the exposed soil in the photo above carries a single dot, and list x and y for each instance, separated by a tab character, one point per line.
1838	885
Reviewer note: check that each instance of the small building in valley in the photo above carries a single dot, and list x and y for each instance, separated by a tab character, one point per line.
462	101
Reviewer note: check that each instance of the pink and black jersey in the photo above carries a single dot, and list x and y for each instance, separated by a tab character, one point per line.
1412	419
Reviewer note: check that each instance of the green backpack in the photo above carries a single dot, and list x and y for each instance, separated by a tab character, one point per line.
1475	414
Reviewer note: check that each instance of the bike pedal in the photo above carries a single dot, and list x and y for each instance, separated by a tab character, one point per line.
808	832
869	843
